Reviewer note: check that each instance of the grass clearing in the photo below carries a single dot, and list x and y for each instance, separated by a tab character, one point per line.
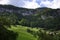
22	33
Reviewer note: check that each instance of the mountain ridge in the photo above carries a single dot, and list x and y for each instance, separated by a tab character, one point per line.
24	11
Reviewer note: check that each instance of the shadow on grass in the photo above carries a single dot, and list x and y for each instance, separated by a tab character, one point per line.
7	34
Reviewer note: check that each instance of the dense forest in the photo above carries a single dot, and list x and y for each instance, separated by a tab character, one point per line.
46	18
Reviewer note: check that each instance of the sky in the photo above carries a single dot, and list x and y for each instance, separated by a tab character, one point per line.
32	4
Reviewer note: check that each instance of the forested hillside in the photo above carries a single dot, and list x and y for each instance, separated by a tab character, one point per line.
46	18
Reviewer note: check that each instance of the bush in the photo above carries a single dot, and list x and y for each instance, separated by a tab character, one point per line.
6	34
43	35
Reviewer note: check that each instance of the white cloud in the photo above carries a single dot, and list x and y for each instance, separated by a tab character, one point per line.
54	4
21	3
31	5
4	1
18	3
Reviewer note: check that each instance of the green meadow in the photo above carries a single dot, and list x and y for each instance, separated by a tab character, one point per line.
22	32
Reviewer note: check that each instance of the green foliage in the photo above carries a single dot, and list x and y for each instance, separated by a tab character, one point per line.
6	34
7	19
22	33
47	18
24	22
44	35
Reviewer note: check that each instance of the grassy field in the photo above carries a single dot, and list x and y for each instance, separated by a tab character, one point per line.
22	33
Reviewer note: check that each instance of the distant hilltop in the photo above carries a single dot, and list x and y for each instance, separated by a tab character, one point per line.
25	11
